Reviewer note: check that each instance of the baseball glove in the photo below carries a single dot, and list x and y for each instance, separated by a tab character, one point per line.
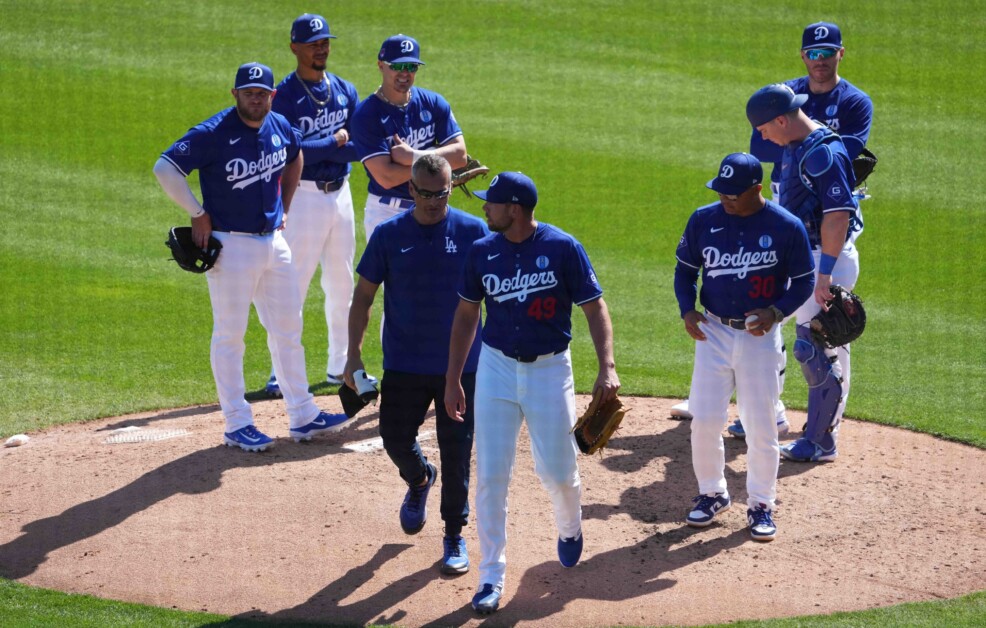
190	257
468	172
863	165
597	424
843	322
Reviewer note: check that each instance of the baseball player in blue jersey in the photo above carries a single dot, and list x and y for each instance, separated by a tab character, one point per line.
529	274
249	161
816	186
322	228
418	256
397	124
830	99
747	249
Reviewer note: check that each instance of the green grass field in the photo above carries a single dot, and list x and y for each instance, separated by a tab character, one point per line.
620	111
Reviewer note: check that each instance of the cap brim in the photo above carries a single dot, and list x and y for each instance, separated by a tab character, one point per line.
816	46
260	85
406	60
316	38
724	188
481	194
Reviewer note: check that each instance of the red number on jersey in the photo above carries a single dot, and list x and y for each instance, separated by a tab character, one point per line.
762	287
542	309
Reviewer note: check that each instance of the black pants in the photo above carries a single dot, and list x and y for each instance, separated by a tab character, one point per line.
404	402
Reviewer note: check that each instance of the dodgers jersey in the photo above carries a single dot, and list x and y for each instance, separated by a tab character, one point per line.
420	267
426	122
846	109
325	160
745	261
239	168
529	288
817	178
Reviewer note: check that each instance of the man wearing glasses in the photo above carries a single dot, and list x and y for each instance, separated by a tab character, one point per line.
747	249
396	125
418	255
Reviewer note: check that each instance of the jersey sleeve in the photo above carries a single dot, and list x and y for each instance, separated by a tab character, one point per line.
855	129
449	129
582	277
192	151
470	282
368	133
687	269
801	270
373	264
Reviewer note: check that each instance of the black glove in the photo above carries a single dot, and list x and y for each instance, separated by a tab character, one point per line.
190	257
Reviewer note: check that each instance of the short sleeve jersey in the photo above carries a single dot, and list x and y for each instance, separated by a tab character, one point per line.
317	124
239	168
426	122
746	261
529	289
419	266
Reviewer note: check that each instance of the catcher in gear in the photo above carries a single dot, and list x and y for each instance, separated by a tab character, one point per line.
841	321
188	255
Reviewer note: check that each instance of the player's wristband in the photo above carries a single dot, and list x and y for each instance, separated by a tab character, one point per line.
778	314
827	264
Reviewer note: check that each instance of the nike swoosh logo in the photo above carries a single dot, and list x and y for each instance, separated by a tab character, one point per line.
717	230
319	422
489	257
301	100
384	120
407	249
231	142
252	440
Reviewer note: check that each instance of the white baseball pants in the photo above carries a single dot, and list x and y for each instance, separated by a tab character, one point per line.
731	359
845	274
321	229
258	270
377	211
507	392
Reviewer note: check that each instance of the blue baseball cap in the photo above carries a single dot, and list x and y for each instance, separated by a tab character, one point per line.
821	35
738	172
254	74
400	49
772	101
308	28
511	187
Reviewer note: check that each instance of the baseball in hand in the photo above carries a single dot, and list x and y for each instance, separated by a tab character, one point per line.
750	320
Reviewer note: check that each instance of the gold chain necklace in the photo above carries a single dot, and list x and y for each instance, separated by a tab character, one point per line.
379	93
320	103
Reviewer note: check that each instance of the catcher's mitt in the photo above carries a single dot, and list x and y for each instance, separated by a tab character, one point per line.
597	424
468	172
190	257
843	322
863	165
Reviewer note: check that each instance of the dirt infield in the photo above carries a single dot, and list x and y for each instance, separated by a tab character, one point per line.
309	531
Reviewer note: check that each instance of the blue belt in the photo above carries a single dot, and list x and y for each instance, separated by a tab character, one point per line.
246	233
400	202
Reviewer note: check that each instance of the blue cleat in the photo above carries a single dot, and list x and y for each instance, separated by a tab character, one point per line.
324	422
803	450
272	389
762	526
736	429
248	438
414	510
706	508
455	559
487	599
570	550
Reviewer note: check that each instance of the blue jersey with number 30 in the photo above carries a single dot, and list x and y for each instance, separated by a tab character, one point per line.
529	288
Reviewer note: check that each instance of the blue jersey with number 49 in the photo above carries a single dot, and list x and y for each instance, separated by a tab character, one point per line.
529	288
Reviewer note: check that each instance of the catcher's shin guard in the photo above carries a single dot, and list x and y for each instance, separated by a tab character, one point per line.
824	378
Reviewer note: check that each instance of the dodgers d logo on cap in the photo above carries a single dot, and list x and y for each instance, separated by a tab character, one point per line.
254	74
821	35
400	49
738	172
308	28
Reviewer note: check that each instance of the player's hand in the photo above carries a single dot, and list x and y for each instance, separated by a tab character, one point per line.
607	381
692	319
765	321
455	400
341	136
353	364
401	152
822	292
201	230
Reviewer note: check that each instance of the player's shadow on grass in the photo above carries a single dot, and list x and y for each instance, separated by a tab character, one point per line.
668	498
196	473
